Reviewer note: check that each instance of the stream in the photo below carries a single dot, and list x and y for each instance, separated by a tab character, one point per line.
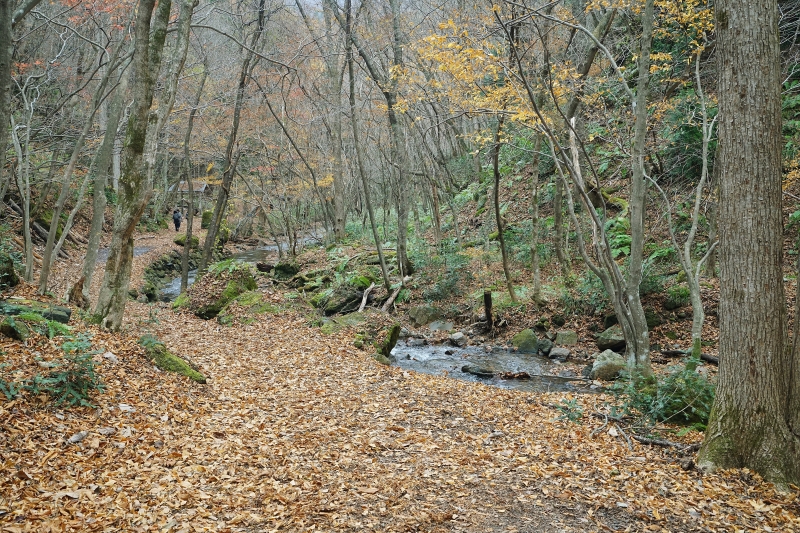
449	361
263	253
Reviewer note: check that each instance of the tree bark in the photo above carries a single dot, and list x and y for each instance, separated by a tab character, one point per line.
231	159
101	170
358	148
498	216
755	421
187	156
134	187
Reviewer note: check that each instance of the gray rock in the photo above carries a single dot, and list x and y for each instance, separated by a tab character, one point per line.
478	371
611	339
441	325
106	431
111	357
458	339
560	354
607	365
416	342
382	359
77	437
526	342
566	338
545	345
424	314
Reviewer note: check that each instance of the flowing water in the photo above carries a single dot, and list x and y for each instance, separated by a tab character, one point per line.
263	253
449	361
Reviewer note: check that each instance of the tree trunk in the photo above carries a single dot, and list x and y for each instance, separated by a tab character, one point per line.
231	159
6	11
66	181
101	170
190	212
638	347
537	276
134	187
755	421
498	216
358	148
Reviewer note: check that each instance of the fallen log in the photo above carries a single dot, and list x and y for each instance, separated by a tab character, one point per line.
682	353
364	298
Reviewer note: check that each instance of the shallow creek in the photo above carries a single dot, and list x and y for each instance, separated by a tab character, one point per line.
452	362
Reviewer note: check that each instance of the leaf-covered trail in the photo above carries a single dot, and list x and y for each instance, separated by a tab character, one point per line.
297	431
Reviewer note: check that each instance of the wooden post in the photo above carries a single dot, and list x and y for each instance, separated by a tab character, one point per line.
487	304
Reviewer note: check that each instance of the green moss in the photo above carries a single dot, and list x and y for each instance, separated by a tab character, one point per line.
181	301
180	240
157	352
14	329
234	288
206	220
389	341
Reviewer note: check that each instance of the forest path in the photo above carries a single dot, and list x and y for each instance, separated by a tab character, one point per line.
297	431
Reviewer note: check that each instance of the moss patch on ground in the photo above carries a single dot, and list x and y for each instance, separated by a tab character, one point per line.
157	352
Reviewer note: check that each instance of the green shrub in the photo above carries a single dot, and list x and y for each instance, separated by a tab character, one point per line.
205	222
72	379
677	296
681	396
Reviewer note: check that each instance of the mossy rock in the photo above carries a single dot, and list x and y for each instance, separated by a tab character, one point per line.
181	301
385	346
423	315
286	270
157	352
253	301
342	300
205	222
14	329
332	325
653	319
8	274
382	359
18	306
526	342
360	281
234	288
180	240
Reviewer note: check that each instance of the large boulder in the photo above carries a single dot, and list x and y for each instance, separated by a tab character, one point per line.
8	275
458	339
566	338
526	342
559	354
545	346
342	299
180	240
607	365
14	329
423	315
611	339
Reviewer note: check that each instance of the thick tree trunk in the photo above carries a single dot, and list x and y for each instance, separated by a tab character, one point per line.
755	422
134	187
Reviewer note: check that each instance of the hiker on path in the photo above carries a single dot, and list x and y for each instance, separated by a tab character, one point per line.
176	218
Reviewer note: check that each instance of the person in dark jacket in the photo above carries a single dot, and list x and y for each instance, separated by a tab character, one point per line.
176	218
